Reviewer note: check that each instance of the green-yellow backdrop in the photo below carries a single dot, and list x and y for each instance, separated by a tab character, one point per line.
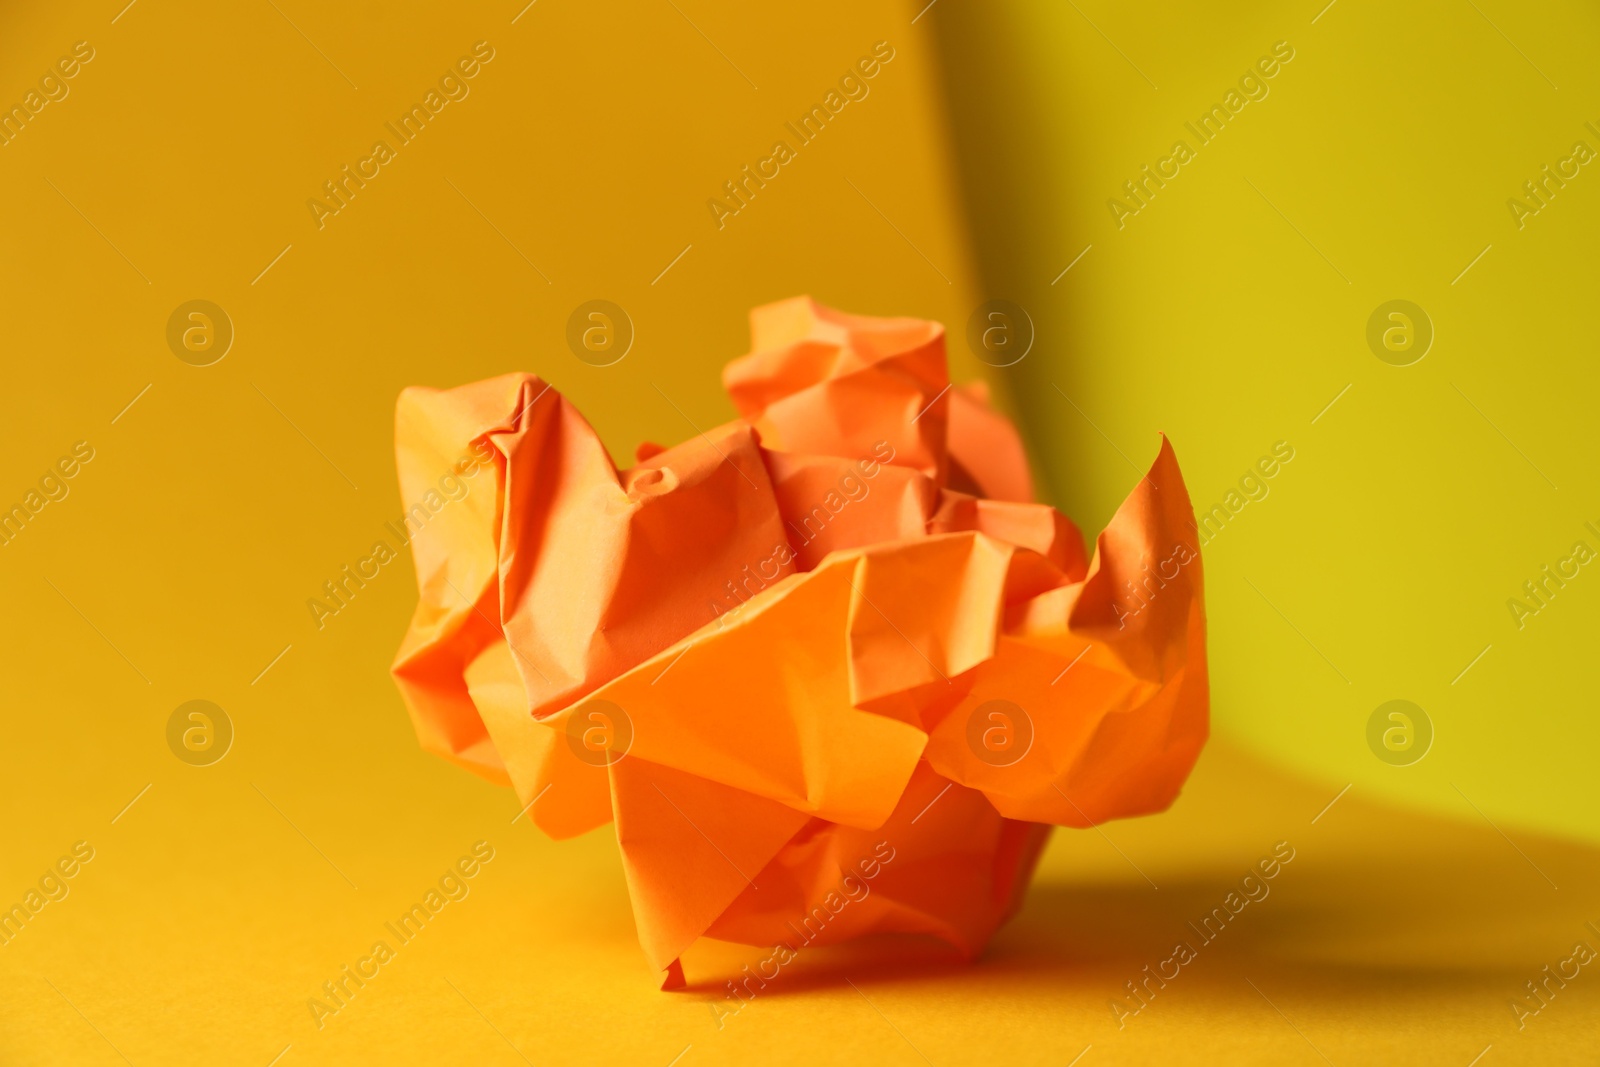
206	504
1232	308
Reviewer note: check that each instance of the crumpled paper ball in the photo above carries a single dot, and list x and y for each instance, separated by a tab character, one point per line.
828	667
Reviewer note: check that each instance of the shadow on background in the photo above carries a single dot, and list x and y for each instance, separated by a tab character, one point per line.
1377	906
1014	165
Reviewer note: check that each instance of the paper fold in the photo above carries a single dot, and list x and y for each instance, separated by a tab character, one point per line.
834	629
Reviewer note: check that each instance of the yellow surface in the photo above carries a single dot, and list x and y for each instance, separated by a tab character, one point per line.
178	565
1232	309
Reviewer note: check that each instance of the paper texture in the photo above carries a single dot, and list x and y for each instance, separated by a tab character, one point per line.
832	637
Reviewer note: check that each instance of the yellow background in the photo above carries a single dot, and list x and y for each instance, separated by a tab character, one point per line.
1387	147
578	167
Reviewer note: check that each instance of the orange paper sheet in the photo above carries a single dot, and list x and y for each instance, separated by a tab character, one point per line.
828	668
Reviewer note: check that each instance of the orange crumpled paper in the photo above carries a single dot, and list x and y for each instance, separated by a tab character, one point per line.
827	667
